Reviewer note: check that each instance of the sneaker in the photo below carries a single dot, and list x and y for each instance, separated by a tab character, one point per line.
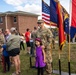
15	73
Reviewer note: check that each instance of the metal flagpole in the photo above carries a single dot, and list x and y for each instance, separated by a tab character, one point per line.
69	58
59	54
70	8
59	63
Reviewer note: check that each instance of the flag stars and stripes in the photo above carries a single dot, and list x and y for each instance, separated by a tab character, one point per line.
45	13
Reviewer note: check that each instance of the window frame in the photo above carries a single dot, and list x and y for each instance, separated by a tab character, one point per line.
15	19
1	19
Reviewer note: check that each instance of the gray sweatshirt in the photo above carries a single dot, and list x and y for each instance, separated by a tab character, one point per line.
13	42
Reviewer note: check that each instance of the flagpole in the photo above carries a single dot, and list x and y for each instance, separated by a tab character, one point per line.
59	50
69	70
59	62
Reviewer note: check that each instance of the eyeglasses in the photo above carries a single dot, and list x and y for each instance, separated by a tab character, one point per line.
39	23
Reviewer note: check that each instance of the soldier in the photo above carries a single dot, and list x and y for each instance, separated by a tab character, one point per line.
2	40
46	38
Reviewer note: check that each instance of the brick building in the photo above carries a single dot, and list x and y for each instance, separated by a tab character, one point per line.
19	19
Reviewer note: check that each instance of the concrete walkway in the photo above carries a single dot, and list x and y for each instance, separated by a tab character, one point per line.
62	73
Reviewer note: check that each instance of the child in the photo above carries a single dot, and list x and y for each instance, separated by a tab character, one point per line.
5	59
40	57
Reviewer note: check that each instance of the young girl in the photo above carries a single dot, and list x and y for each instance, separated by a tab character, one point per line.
40	57
5	59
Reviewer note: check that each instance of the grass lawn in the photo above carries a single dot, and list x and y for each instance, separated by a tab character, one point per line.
64	58
26	70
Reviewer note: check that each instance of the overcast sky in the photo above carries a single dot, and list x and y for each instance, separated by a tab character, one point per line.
33	6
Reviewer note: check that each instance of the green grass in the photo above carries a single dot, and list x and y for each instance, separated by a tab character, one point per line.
25	66
64	58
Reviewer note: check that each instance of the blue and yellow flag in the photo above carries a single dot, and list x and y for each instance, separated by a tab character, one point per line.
53	12
66	23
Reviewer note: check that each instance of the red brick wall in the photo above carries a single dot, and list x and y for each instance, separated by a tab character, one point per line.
11	22
25	22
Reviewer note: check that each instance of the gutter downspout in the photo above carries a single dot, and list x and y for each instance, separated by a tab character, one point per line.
6	21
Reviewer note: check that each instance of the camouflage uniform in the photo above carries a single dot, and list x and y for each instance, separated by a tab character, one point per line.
2	40
46	37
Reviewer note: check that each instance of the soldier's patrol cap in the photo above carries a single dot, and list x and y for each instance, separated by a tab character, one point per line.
40	21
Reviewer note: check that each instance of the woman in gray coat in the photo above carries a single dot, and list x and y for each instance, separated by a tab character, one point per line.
13	48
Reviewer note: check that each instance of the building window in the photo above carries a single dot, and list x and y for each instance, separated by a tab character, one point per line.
15	19
1	20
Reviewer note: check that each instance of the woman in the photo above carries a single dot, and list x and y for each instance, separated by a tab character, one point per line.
13	48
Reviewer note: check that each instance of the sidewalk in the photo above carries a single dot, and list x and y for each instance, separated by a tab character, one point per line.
62	73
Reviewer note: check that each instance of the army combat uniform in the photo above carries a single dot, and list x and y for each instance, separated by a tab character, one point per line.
46	38
2	40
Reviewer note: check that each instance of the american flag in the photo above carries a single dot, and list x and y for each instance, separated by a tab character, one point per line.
45	13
